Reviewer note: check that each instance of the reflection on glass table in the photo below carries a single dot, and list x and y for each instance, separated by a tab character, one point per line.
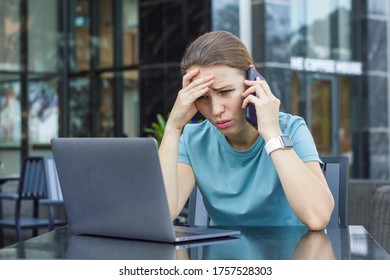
271	243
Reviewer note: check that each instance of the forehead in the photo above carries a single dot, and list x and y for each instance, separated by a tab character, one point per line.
222	73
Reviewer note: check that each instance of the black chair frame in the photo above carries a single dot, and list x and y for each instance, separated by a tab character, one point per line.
32	187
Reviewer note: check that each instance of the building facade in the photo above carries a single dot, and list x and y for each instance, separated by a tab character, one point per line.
106	68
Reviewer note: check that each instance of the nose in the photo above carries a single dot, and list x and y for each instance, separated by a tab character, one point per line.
217	107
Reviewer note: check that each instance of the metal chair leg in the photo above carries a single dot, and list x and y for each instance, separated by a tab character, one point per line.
19	233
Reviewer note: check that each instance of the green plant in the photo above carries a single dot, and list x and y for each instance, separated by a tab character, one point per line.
157	129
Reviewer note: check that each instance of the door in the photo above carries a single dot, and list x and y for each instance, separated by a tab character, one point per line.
322	112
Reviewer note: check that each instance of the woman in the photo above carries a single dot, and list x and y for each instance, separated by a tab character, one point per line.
225	155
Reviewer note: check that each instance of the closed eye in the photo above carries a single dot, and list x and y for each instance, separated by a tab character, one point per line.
225	91
203	98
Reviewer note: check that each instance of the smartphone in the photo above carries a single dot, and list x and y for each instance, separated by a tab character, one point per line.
251	117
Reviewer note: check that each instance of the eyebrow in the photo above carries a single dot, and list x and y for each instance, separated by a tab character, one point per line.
224	87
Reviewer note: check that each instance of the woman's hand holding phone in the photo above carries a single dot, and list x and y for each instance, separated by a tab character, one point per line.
266	106
184	108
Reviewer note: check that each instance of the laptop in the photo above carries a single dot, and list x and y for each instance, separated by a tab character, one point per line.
114	187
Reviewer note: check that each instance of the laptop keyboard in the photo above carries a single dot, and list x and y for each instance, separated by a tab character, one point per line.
185	231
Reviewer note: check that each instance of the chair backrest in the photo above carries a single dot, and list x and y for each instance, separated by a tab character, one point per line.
54	193
336	174
32	182
197	213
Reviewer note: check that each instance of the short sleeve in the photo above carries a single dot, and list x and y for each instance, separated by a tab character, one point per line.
304	144
183	153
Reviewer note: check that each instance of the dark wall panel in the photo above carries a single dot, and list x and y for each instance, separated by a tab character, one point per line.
166	28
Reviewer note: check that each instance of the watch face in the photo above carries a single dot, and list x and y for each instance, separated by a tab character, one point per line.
286	141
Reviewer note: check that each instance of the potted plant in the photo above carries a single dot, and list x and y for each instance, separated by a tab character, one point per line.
156	129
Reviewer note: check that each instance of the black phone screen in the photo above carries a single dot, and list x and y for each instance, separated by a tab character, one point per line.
251	117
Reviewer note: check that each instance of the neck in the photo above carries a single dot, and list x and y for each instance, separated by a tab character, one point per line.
245	139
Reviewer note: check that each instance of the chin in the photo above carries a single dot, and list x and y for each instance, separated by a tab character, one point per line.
229	132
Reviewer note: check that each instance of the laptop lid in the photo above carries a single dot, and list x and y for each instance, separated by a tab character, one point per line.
87	247
114	187
96	247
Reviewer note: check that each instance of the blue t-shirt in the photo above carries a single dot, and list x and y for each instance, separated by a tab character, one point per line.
242	187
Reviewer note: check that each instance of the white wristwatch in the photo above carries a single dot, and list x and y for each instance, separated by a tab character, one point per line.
281	142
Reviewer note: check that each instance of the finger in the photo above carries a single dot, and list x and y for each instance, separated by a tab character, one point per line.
191	89
197	85
250	99
257	82
255	89
267	89
201	81
187	78
197	94
264	85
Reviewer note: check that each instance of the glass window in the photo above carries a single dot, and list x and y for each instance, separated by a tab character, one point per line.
106	33
43	107
343	48
79	35
318	29
377	7
321	115
131	110
298	28
294	94
42	35
225	15
10	111
106	106
298	95
321	29
80	112
130	31
345	116
10	35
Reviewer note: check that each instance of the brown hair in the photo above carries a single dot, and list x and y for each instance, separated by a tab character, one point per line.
217	48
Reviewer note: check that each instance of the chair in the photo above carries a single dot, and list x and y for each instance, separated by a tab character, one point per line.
197	213
54	195
381	219
33	186
336	174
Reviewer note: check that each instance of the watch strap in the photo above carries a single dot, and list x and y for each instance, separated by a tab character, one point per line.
281	142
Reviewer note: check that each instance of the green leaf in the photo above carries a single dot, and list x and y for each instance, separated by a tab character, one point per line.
161	121
156	129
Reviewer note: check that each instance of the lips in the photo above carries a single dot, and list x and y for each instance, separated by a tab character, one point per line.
223	124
